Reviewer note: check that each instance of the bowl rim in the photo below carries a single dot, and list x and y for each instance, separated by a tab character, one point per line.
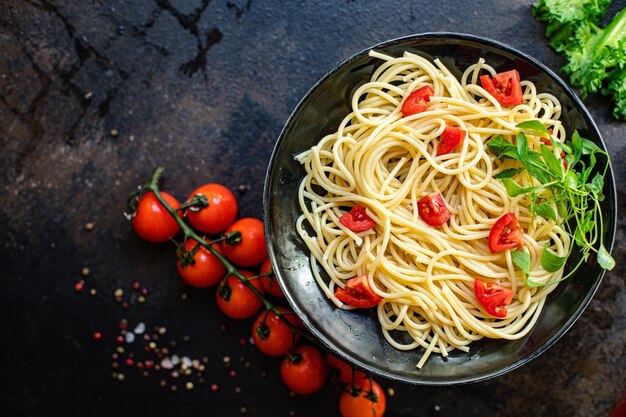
592	127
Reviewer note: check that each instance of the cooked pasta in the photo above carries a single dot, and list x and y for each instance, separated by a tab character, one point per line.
386	163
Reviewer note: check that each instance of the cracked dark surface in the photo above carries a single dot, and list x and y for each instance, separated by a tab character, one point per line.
203	88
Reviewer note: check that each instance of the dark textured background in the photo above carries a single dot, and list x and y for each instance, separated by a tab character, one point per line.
203	88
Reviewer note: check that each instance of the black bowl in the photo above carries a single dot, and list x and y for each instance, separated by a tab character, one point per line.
356	335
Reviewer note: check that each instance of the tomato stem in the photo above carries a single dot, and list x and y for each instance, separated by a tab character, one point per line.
231	238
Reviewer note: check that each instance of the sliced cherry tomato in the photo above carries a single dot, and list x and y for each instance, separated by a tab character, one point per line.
151	221
432	209
357	219
451	137
304	371
417	101
220	212
493	297
505	87
235	299
205	270
272	336
346	373
506	233
368	401
269	281
251	249
358	293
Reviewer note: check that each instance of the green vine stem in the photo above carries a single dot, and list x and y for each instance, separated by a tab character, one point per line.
188	232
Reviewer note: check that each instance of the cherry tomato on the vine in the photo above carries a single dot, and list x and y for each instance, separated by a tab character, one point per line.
151	220
304	370
272	336
345	371
235	299
269	281
220	212
368	401
251	249
205	271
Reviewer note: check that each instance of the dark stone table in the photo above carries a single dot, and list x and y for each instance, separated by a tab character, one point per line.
95	94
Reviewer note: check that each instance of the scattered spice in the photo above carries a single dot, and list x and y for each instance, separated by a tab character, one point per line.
79	286
89	227
85	271
93	292
214	387
391	392
114	133
97	336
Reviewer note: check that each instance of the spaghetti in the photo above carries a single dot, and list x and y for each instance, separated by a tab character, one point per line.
387	163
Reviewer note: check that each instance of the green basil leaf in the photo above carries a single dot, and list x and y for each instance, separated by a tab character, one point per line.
550	261
522	148
537	167
534	127
577	147
500	147
512	188
544	210
564	146
522	260
554	164
571	180
508	173
588	147
605	260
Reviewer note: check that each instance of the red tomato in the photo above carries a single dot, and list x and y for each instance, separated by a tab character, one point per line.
251	249
151	221
358	293
235	299
368	402
451	137
346	372
357	219
505	87
205	271
270	285
493	297
220	212
506	233
432	209
304	371
272	336
417	101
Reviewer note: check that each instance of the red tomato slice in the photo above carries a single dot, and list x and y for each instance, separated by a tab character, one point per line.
432	209
357	219
417	101
451	137
493	297
504	87
506	233
358	293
